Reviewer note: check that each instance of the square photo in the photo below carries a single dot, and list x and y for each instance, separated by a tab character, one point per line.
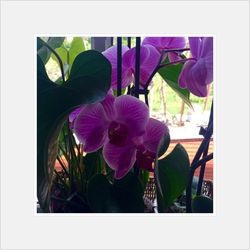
125	124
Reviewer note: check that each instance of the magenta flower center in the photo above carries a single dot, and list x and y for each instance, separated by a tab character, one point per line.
145	159
117	133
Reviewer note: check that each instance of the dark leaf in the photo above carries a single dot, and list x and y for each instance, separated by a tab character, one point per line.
100	195
55	102
91	164
44	52
172	174
129	194
202	204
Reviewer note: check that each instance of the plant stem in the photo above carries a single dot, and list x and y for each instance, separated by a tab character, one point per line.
175	62
196	163
58	58
176	50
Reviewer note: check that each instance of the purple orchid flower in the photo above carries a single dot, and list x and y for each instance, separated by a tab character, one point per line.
141	150
122	127
73	115
197	73
149	59
115	120
164	43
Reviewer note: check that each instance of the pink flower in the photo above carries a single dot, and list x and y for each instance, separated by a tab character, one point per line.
122	127
141	150
164	43
149	59
197	73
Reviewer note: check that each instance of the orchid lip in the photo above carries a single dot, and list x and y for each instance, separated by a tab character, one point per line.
145	159
117	133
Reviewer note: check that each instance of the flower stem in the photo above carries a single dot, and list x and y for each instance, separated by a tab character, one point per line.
176	50
175	62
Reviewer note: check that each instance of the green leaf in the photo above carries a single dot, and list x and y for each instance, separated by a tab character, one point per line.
68	56
77	46
91	164
171	74
129	194
100	195
163	145
44	52
124	196
63	54
172	173
202	204
54	103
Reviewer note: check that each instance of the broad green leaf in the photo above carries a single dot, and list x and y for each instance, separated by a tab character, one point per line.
129	194
100	195
68	56
202	204
124	196
44	52
77	46
91	162
63	54
172	173
163	145
54	103
171	74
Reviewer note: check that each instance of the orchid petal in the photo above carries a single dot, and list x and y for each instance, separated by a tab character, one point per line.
192	77
177	43
198	72
154	41
133	113
91	127
184	73
149	59
207	55
120	159
145	159
198	90
165	42
74	114
195	46
173	57
111	55
155	130
108	106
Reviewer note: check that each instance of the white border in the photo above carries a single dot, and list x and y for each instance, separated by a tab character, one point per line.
20	228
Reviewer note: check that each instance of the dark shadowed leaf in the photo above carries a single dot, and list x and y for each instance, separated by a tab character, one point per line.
202	204
172	174
44	52
100	195
91	164
129	194
124	196
55	102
